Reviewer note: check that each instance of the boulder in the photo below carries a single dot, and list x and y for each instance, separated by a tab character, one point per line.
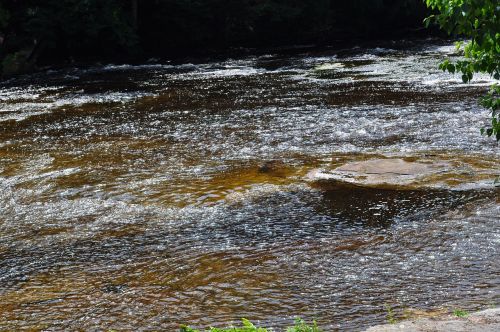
378	173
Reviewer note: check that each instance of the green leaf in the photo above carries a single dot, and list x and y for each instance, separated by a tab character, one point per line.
247	323
427	21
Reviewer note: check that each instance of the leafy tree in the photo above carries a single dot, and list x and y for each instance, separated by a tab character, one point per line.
60	29
478	20
54	31
4	17
73	26
377	18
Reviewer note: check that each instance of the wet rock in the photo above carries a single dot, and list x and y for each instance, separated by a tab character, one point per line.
273	168
329	66
113	288
378	173
483	321
329	71
44	302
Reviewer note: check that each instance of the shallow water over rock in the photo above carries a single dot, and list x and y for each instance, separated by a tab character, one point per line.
150	196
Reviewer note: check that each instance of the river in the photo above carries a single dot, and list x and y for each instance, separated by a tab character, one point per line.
144	197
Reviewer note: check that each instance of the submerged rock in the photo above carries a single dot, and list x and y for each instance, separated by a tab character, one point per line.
378	173
484	321
272	166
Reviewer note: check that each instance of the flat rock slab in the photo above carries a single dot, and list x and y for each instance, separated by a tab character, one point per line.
483	321
379	172
386	166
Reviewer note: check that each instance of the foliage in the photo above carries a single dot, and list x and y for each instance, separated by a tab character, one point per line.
368	17
54	31
12	63
478	20
301	326
492	101
64	28
4	17
460	313
247	326
391	317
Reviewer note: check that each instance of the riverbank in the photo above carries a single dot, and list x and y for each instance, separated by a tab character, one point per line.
18	65
108	31
484	321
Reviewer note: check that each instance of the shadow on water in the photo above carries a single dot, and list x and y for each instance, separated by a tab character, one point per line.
382	207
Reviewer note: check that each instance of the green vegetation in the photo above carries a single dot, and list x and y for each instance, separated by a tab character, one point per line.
460	313
479	21
391	317
37	32
247	326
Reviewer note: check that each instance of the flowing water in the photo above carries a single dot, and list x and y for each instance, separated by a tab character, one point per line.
144	197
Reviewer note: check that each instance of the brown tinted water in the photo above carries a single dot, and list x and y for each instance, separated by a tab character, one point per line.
144	197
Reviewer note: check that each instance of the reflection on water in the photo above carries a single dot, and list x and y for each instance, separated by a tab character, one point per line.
149	196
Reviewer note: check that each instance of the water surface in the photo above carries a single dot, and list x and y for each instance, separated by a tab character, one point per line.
143	197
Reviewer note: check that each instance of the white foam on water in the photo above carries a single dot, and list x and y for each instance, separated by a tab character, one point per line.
19	111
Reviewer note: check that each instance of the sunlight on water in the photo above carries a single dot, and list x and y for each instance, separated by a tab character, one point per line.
160	194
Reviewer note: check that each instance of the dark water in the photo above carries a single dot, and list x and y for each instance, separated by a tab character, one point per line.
143	197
